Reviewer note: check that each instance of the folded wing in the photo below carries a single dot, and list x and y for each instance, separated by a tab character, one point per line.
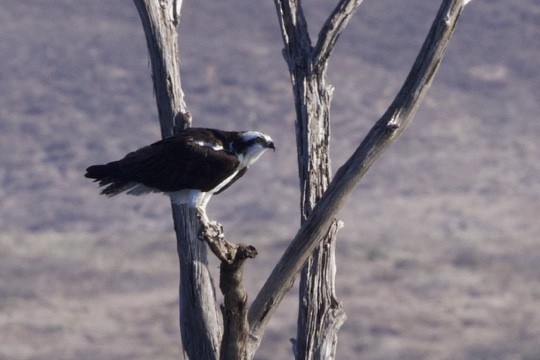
172	164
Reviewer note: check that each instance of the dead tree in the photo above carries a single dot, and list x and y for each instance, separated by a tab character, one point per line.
312	249
200	323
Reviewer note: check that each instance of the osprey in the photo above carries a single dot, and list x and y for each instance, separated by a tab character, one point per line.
190	166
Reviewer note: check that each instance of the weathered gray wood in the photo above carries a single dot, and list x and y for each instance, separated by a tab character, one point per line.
383	133
201	329
332	29
236	327
199	320
320	314
200	325
234	307
159	20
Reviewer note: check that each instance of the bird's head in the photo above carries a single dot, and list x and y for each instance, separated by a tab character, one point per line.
250	145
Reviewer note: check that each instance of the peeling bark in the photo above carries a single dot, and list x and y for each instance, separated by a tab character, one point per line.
383	133
312	95
234	308
199	320
320	315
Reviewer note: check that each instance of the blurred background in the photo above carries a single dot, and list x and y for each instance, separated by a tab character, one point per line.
439	256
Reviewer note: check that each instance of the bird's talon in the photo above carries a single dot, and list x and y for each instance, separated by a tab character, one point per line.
212	230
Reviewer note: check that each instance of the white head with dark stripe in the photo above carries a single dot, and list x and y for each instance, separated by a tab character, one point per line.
250	145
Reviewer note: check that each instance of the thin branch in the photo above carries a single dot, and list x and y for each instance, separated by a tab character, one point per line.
294	31
384	132
332	29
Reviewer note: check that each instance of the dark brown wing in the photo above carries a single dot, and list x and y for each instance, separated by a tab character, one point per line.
193	159
178	163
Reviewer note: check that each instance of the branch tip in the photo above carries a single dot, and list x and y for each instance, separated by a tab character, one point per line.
246	251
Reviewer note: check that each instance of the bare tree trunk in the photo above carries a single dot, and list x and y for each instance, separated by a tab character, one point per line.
383	133
159	20
199	319
320	313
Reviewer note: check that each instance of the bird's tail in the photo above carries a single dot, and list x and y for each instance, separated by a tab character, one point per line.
108	175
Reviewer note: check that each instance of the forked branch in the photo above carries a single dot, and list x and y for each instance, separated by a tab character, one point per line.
383	133
332	29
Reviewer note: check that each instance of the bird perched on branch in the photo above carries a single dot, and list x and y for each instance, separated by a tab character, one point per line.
190	166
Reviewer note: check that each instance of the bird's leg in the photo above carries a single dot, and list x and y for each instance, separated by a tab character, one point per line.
209	229
212	233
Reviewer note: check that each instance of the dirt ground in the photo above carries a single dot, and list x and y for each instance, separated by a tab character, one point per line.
78	296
